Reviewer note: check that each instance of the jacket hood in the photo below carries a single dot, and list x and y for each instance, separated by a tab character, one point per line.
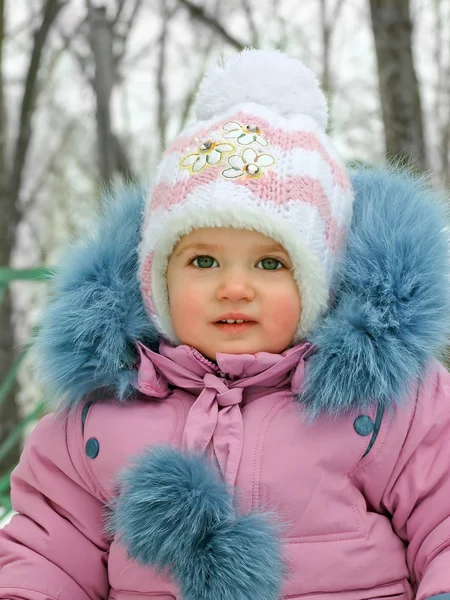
391	310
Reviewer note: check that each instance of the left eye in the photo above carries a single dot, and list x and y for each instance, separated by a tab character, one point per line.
270	264
204	262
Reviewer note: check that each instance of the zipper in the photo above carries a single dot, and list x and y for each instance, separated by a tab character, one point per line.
207	361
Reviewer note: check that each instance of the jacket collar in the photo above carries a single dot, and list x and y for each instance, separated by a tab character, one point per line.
184	367
390	314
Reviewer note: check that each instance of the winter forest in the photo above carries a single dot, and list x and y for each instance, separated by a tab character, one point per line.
92	91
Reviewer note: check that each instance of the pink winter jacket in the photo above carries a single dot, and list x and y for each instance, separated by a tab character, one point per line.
358	525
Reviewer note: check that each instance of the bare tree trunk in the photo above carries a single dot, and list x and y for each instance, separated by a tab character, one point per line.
326	34
441	109
11	177
111	156
2	99
50	12
9	413
328	21
161	88
328	24
101	41
399	90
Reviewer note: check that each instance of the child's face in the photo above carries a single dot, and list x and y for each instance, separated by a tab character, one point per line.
217	272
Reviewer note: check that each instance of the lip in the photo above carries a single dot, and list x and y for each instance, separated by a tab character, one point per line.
236	317
233	328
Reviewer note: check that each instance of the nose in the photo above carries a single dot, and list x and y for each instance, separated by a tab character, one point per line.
235	285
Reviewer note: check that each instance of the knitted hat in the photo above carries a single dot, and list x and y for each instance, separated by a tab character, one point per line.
257	157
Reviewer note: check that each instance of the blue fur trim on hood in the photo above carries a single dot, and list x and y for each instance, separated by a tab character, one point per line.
391	310
175	513
86	340
392	305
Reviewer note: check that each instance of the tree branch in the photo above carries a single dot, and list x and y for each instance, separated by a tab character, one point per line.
51	10
197	12
251	22
80	58
2	100
337	11
66	45
123	37
120	6
162	116
21	28
192	92
123	164
50	162
143	52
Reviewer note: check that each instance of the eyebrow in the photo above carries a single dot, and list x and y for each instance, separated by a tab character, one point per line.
215	247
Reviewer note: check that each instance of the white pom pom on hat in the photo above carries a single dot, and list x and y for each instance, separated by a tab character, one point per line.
266	77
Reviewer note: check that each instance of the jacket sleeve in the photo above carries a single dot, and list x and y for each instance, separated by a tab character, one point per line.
418	493
54	547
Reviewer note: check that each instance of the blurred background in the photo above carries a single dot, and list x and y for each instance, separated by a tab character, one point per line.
92	91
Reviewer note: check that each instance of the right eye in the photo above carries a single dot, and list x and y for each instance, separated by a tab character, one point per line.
204	262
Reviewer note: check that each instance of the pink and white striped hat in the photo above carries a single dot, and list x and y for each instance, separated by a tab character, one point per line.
256	158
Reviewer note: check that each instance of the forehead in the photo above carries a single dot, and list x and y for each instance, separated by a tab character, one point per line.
224	236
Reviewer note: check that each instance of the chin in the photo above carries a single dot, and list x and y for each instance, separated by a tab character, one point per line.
238	347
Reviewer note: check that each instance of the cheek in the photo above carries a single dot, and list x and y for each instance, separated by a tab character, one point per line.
185	306
285	309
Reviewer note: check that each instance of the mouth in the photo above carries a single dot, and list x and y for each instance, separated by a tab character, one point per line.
235	325
233	321
235	317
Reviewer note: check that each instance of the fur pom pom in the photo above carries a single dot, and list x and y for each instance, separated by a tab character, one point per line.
241	560
169	503
174	512
266	77
392	305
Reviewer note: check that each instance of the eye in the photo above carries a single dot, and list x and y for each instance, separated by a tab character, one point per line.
270	264
204	262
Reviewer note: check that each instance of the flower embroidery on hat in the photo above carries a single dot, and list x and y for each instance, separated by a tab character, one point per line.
209	153
250	164
244	134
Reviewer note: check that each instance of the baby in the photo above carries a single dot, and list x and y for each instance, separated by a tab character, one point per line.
248	407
